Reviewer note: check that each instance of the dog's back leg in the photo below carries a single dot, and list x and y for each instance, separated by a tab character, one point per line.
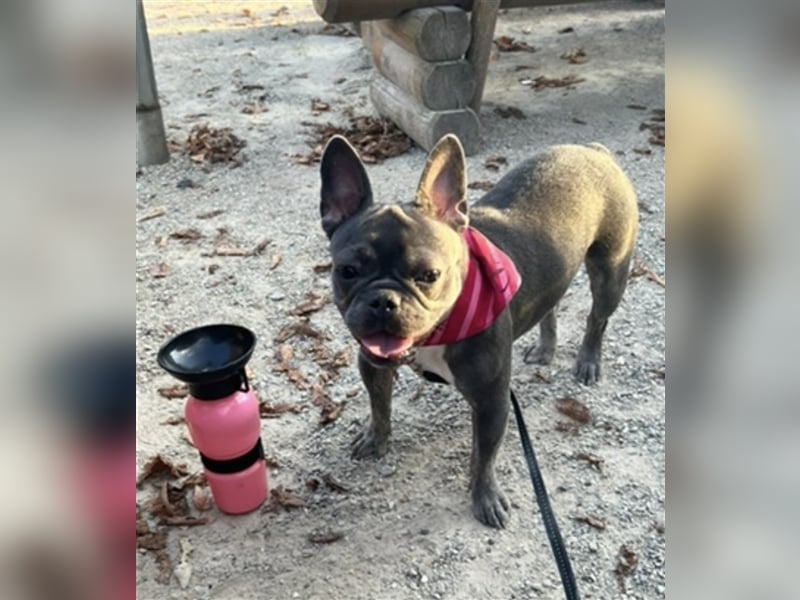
608	279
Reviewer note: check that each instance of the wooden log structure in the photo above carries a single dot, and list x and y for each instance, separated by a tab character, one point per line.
341	11
484	18
421	124
441	85
433	34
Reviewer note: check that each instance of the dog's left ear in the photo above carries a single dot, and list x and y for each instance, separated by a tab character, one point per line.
345	185
442	188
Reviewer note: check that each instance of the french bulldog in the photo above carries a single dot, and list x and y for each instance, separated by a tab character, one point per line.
401	270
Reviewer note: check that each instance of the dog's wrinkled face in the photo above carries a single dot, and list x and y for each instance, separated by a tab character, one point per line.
397	269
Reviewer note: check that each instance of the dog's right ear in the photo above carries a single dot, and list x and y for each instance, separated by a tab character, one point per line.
345	185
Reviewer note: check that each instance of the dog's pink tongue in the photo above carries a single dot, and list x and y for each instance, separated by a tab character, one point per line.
386	346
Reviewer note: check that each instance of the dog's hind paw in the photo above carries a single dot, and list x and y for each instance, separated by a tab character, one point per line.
539	355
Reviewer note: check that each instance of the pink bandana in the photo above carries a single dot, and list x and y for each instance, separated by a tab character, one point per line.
491	282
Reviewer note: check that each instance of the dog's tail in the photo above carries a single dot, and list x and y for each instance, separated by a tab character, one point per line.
599	147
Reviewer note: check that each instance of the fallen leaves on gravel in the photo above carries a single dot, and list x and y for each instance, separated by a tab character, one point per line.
591	521
481	185
154	542
158	468
211	214
333	29
508	44
275	411
509	111
657	127
285	356
186	235
573	409
313	483
374	139
541	82
214	145
179	390
301	328
640	269
284	497
576	56
325	537
329	410
594	460
493	163
627	560
313	303
159	270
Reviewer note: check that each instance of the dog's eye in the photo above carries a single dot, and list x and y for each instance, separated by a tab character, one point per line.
347	271
429	276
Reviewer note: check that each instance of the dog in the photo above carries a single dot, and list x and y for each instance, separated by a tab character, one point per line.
447	288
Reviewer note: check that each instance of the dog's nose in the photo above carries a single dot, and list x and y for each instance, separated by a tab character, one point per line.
384	303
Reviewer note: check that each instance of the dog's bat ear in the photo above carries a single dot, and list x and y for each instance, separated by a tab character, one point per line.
442	188
345	185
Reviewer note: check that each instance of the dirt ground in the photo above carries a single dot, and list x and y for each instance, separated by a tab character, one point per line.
403	523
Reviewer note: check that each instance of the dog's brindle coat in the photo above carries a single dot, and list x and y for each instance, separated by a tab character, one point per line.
398	269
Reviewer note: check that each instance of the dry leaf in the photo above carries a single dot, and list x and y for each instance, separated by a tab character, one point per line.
207	144
174	421
185	521
312	304
576	56
481	185
213	268
318	105
159	270
374	139
254	109
640	269
334	29
573	409
324	537
329	413
334	485
509	44
286	498
211	214
201	498
541	82
627	560
188	235
179	390
494	163
594	460
323	267
301	328
595	522
274	411
509	111
158	468
153	214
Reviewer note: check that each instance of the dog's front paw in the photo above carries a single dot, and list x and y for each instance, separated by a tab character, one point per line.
490	507
587	369
369	443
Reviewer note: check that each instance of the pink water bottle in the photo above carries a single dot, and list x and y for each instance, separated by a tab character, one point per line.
221	411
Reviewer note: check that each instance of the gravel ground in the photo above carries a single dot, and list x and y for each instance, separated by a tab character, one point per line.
406	523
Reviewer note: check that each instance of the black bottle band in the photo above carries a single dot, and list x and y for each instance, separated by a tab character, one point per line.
215	390
234	465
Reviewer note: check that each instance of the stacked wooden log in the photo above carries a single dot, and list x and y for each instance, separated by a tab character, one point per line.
422	80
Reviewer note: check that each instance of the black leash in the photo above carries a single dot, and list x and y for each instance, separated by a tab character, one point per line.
550	525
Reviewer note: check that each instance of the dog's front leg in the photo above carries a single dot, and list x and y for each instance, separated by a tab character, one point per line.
373	440
482	370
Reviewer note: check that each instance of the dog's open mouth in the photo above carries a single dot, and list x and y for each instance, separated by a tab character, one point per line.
387	347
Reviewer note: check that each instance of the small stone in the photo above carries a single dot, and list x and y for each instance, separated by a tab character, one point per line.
277	296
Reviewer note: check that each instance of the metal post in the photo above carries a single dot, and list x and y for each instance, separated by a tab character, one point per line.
151	142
